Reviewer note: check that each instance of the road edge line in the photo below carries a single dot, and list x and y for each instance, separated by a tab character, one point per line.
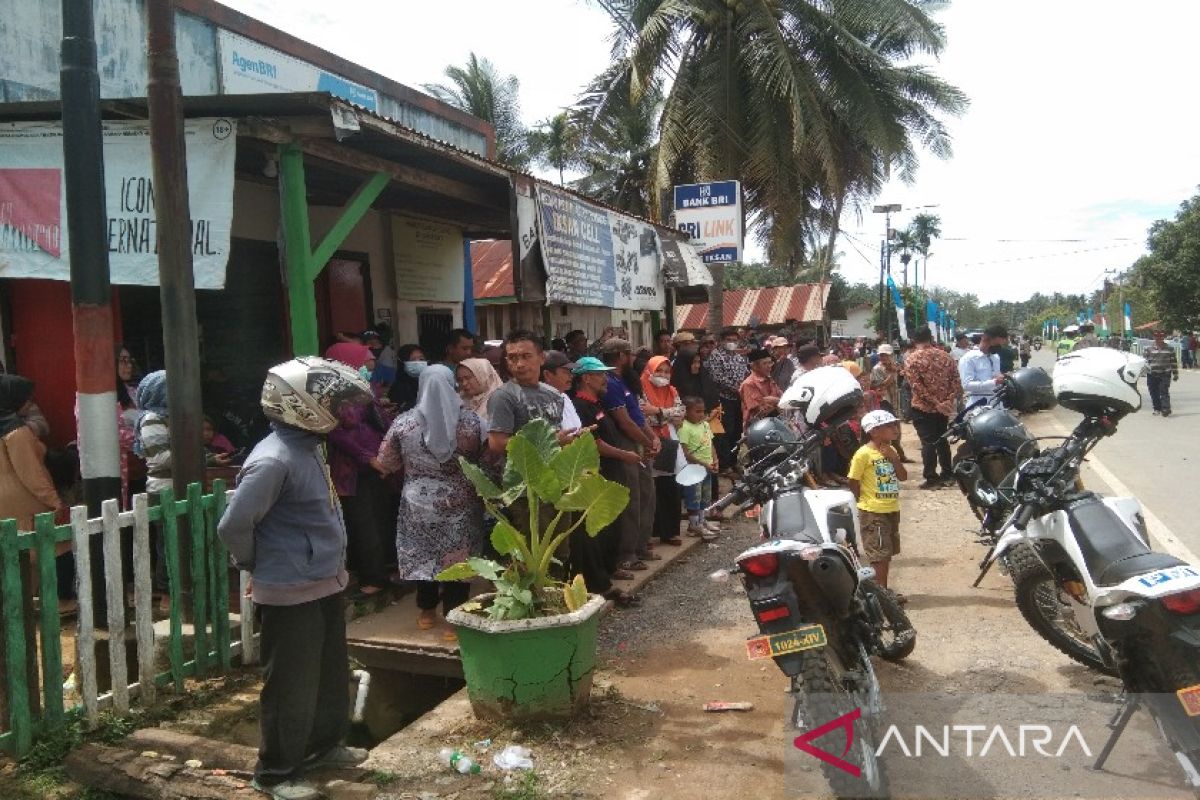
1162	536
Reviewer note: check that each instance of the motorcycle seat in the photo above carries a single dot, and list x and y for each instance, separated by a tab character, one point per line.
1111	551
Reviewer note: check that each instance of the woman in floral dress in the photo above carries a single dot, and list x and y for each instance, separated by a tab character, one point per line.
440	521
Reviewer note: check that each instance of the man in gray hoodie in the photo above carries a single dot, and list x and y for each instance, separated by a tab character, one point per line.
285	526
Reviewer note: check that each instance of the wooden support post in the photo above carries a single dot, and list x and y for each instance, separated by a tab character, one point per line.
143	602
13	618
170	528
114	584
85	636
195	512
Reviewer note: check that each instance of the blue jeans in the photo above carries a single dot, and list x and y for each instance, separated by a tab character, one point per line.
698	497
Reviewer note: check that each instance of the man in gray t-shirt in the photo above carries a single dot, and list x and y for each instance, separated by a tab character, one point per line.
524	397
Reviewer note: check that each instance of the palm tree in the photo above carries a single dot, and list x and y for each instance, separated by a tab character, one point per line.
803	101
481	91
618	141
552	144
925	227
905	243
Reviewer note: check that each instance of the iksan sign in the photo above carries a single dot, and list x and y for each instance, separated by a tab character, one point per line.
711	214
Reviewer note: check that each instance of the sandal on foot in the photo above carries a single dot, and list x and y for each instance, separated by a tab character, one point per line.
622	598
426	620
622	575
635	566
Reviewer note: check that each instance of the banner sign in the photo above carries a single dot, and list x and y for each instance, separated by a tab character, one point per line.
711	214
248	67
428	260
34	241
682	265
597	257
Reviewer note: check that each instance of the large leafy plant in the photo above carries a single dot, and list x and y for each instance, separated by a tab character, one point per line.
561	489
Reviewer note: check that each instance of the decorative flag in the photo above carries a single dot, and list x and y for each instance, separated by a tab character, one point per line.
899	301
1128	320
1104	319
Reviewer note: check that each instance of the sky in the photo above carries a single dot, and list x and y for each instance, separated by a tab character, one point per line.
1082	128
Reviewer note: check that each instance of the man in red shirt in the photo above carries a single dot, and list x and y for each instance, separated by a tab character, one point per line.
933	377
759	393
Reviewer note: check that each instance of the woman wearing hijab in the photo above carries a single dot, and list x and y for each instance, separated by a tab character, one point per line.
410	363
26	488
477	379
440	521
663	411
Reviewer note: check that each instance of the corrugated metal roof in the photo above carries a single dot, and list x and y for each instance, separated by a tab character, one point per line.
491	268
772	305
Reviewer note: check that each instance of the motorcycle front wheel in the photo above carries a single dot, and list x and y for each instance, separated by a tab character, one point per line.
821	698
1039	597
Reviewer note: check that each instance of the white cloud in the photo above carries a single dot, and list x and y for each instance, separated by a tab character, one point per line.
1082	121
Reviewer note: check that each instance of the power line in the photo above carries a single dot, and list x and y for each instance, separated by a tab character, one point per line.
1047	255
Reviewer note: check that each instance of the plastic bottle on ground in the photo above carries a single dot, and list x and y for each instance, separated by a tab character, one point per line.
457	761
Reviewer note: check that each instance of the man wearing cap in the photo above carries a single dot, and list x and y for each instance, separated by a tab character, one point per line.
885	379
1067	343
556	371
622	404
1160	357
598	558
785	364
759	393
685	344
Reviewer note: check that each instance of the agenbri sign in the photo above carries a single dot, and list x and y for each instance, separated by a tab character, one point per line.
34	241
711	214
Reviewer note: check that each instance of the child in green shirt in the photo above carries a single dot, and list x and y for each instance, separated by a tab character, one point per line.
696	439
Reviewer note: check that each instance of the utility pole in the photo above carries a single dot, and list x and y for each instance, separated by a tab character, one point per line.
885	267
91	292
177	288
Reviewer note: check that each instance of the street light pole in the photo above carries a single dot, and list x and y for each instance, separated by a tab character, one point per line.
885	267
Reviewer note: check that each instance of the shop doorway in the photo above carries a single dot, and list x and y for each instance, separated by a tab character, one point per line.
433	326
343	292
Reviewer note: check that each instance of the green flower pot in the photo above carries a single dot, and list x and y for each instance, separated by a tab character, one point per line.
528	669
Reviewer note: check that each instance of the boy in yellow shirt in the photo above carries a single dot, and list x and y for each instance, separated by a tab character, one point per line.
875	474
696	438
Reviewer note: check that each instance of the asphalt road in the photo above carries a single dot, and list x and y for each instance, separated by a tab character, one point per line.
1152	456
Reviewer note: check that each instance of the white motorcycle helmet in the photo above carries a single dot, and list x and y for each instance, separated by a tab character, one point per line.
823	394
1099	380
307	392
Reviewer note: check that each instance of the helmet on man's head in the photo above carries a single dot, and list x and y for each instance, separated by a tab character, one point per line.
825	395
1028	389
1099	381
307	393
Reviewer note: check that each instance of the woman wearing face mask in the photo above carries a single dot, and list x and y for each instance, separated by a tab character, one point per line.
663	411
412	363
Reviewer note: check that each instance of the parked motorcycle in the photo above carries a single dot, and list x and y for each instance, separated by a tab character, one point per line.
820	615
1090	557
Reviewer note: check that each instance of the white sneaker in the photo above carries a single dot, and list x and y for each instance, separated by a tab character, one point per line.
290	790
696	529
713	527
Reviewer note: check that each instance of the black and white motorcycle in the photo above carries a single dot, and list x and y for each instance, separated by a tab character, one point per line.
820	615
1091	559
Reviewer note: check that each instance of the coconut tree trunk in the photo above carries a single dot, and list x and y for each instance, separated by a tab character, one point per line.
716	298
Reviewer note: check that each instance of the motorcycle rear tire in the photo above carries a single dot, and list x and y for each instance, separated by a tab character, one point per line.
820	698
1029	576
899	647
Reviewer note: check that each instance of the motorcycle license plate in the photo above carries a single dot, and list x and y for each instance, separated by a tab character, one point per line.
1155	579
1190	697
782	644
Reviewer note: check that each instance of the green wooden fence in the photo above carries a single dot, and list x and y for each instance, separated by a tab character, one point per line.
212	650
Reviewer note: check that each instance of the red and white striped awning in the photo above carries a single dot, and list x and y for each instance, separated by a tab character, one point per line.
771	305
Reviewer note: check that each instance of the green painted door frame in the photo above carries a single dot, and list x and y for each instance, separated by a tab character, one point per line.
302	262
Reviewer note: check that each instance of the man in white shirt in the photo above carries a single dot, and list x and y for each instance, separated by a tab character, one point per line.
979	369
962	346
556	371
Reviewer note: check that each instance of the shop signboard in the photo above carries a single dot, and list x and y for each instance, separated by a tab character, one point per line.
428	260
248	67
597	257
682	265
711	215
34	241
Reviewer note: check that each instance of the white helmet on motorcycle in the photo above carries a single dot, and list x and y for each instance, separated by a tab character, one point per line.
823	395
307	392
1099	380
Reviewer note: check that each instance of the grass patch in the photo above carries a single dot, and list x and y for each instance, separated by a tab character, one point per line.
529	787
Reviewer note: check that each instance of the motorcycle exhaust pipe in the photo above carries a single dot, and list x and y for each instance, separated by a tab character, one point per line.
834	580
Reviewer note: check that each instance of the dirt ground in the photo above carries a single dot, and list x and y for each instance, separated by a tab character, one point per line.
647	737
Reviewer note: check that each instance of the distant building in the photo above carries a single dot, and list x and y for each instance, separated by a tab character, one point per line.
768	308
857	323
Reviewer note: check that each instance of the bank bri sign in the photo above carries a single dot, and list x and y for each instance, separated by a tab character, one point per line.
711	214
